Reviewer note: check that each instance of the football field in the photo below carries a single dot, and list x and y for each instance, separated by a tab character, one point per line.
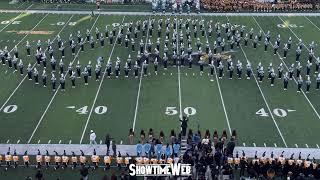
262	115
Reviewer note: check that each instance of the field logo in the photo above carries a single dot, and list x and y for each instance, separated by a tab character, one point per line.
176	169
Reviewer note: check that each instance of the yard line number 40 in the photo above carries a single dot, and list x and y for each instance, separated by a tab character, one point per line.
277	111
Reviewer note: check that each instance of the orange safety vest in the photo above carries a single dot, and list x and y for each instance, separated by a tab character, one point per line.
95	158
127	160
15	158
65	159
57	159
230	160
8	158
39	158
47	159
119	160
83	159
74	159
236	160
107	160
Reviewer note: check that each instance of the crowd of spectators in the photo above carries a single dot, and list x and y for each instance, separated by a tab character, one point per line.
213	157
258	6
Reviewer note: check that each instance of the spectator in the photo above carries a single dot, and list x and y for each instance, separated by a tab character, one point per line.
142	136
161	136
108	141
184	125
39	175
131	136
230	148
84	173
114	149
172	136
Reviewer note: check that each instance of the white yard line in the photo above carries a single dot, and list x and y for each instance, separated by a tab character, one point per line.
140	81
24	11
284	63
24	78
14	91
179	76
220	92
22	4
97	94
55	93
312	23
264	99
30	30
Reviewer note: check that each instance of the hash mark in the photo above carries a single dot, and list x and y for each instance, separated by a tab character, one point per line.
254	144
317	146
307	146
8	141
100	141
290	110
244	144
265	145
39	141
275	145
18	141
49	141
70	141
296	145
60	141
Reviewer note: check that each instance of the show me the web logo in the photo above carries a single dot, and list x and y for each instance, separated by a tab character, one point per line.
175	169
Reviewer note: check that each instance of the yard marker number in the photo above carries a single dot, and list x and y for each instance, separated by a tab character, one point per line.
61	23
277	111
173	111
84	109
13	22
10	109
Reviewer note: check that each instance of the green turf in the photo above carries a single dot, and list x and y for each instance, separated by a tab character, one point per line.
242	98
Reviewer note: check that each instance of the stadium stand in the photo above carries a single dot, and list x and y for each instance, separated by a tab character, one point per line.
258	6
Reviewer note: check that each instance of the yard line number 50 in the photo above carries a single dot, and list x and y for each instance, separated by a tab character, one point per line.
173	111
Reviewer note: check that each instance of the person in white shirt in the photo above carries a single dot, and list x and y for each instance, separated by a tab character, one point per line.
92	137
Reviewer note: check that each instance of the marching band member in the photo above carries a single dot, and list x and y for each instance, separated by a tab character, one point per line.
83	159
139	160
119	160
95	159
15	159
39	159
127	160
74	160
8	159
57	160
26	159
65	160
47	159
107	161
1	159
